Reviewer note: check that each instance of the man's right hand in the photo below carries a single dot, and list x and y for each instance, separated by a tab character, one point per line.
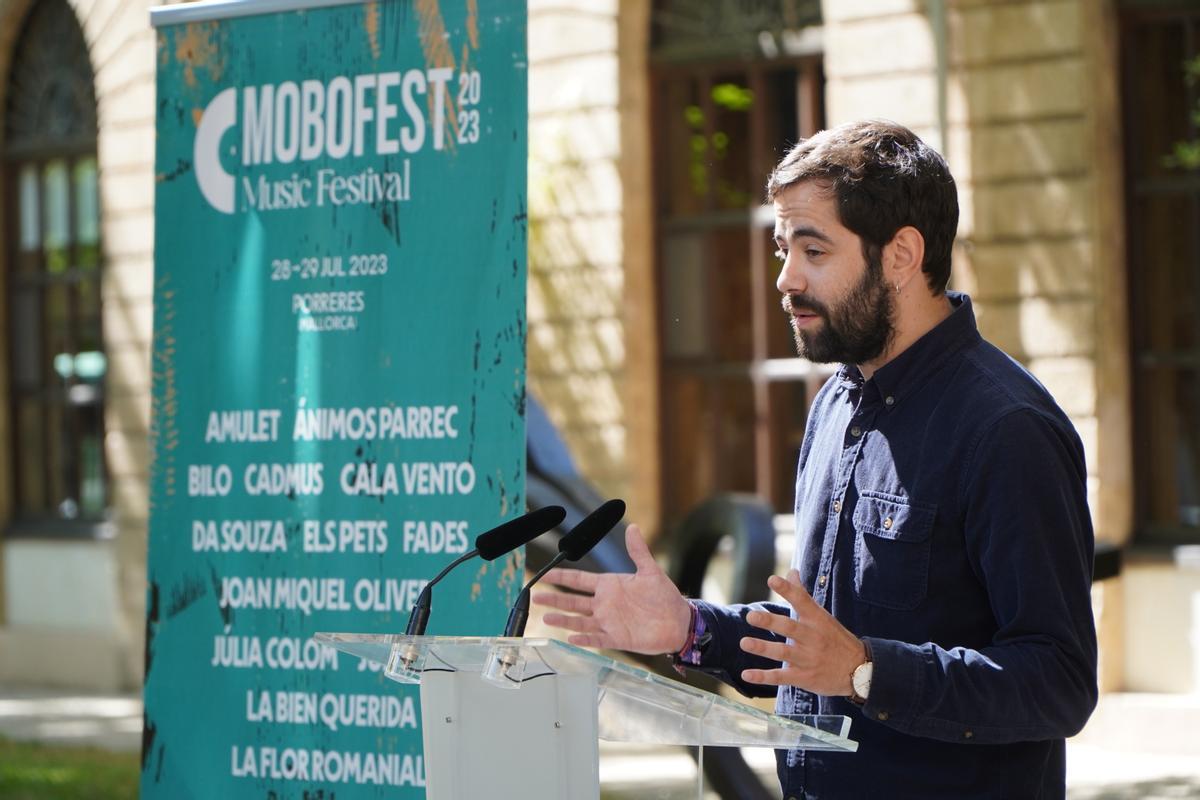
641	612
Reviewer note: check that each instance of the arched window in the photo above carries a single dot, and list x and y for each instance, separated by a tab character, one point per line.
56	361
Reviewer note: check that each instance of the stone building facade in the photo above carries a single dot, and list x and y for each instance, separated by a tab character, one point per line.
1020	98
69	591
1026	99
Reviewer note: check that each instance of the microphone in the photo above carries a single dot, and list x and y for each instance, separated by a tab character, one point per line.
489	545
572	547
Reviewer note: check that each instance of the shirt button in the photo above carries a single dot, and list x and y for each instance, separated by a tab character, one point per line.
882	716
821	580
887	523
891	401
856	431
837	506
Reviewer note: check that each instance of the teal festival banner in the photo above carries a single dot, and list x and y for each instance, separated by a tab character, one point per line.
338	376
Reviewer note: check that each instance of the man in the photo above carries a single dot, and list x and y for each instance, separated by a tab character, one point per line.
940	587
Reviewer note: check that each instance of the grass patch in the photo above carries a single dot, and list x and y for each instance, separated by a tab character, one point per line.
42	772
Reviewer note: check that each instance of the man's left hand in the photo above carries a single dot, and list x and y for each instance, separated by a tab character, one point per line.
819	654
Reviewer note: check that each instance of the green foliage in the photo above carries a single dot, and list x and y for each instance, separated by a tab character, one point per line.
41	772
1186	154
732	96
1191	71
706	150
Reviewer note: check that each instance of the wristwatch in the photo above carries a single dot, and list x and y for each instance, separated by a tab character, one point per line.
860	680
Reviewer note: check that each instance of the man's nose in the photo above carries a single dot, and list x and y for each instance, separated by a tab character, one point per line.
791	278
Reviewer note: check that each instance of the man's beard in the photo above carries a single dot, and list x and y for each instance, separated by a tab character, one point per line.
855	331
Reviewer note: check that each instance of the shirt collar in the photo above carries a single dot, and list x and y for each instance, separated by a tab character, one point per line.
923	357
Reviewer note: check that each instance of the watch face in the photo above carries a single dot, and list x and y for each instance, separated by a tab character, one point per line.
862	679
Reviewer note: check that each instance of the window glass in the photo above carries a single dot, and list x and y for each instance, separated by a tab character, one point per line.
31	478
729	144
91	493
87	205
87	310
57	322
684	177
57	208
26	339
31	235
1162	131
59	498
728	418
684	334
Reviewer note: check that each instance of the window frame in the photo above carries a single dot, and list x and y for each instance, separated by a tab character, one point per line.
765	373
1134	15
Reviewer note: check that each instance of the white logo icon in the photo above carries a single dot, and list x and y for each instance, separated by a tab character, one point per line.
216	184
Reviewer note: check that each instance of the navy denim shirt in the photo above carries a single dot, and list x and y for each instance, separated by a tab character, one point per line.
941	514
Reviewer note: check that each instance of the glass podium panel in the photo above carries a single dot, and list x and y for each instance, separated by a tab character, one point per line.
634	705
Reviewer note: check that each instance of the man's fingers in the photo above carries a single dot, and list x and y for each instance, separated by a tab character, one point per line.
775	651
775	623
572	579
638	550
768	677
575	603
793	591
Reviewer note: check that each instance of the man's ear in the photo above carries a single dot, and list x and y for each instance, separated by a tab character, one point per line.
903	256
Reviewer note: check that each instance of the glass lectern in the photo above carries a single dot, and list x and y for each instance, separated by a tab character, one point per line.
522	718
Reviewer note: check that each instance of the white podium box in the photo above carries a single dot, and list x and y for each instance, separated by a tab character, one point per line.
522	718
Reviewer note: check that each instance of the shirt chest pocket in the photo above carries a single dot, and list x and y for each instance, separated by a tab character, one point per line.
892	542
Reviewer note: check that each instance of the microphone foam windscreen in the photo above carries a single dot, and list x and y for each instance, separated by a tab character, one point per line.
510	535
591	529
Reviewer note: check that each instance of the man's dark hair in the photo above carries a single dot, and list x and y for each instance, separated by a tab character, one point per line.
882	177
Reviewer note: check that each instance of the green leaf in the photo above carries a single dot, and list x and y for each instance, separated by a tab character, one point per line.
1185	155
732	96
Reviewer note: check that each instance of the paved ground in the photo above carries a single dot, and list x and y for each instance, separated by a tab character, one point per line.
1099	774
1093	773
1138	747
113	722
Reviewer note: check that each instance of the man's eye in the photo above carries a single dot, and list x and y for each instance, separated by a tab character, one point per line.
812	252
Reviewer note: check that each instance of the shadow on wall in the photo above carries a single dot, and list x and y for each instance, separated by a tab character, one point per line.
576	344
1018	82
1031	93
